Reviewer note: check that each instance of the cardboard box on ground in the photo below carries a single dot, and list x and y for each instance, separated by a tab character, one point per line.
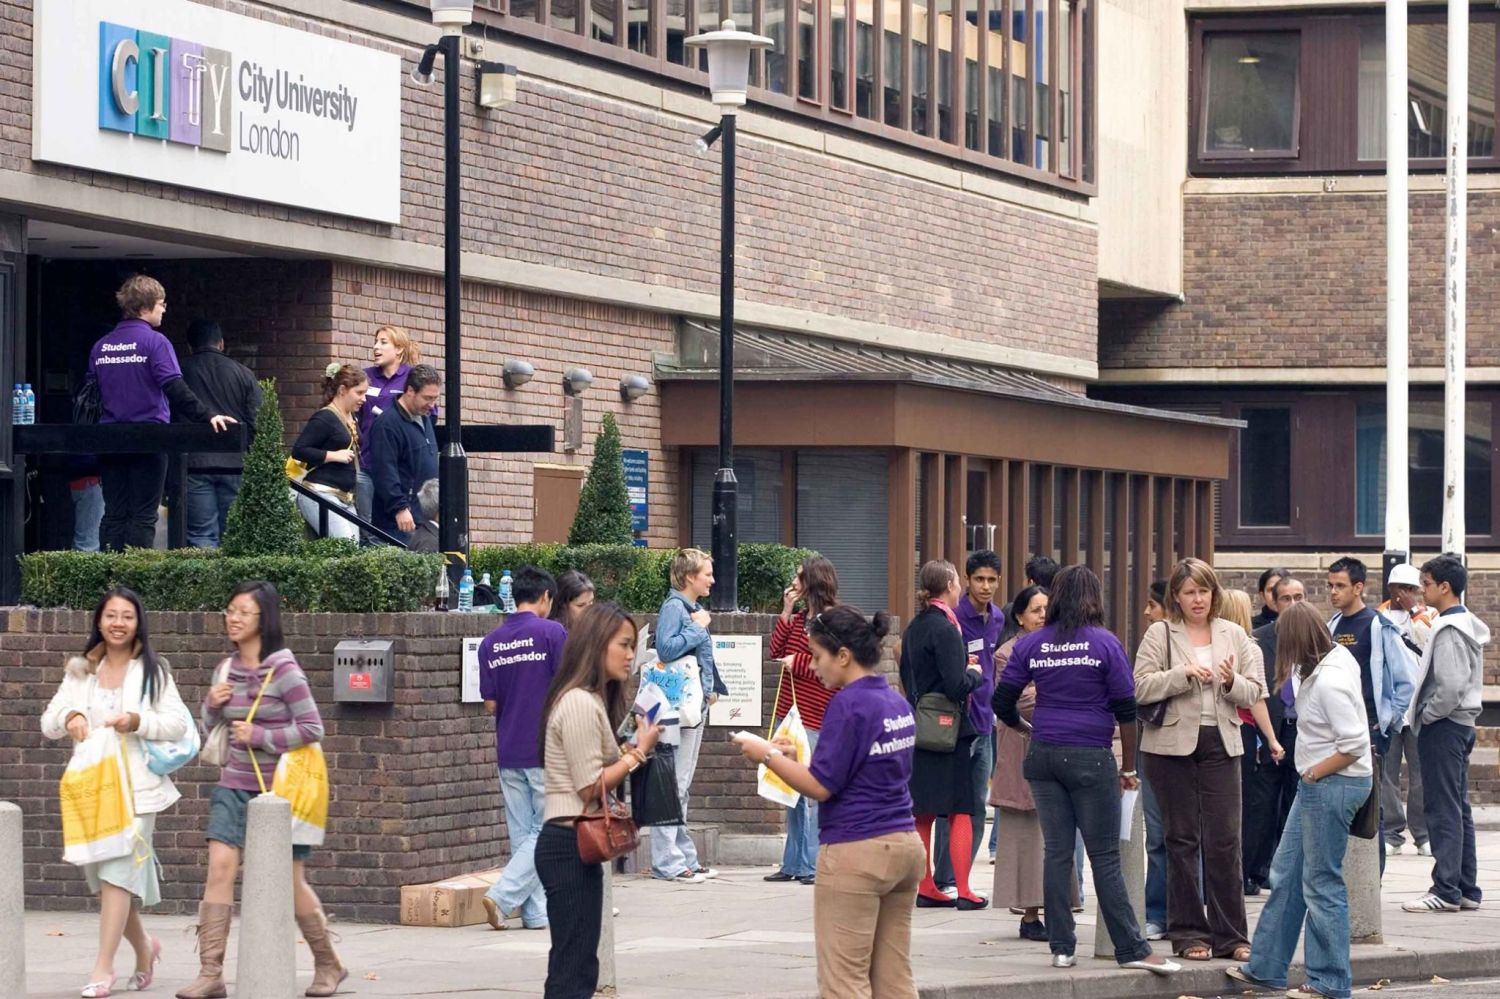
453	902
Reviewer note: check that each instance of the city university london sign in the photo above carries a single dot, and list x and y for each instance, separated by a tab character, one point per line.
180	93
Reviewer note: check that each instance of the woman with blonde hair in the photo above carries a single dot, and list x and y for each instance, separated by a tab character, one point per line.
1204	668
394	354
329	447
1259	736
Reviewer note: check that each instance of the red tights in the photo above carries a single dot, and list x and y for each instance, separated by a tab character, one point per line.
960	852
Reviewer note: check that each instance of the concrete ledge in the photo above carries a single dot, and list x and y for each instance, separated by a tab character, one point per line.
745	850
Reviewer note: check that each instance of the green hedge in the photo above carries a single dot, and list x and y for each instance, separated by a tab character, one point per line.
325	575
638	578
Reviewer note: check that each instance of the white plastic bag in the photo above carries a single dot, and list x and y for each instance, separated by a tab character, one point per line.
767	784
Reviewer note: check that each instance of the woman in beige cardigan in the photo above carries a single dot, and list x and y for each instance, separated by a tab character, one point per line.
1204	668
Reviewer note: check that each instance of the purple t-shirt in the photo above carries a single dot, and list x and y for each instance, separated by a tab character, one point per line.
864	760
516	663
132	363
981	638
379	397
1076	677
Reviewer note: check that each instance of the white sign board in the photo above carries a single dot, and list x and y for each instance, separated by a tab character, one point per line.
471	670
739	661
182	93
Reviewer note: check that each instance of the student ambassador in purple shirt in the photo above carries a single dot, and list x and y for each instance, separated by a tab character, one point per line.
139	382
394	353
516	665
871	860
1084	688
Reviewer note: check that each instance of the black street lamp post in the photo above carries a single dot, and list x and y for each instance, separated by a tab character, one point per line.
728	77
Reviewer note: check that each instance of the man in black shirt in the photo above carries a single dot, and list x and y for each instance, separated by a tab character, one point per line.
223	385
1351	624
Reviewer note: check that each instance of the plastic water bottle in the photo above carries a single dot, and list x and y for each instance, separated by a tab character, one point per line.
485	581
466	592
507	601
28	405
17	402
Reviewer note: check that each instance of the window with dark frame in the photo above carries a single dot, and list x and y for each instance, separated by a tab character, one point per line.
1004	83
1256	112
1425	468
1265	472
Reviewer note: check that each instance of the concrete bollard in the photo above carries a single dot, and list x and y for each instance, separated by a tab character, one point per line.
267	961
1133	869
1362	879
12	903
607	935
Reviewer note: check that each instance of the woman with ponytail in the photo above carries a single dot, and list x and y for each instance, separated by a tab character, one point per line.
329	447
870	861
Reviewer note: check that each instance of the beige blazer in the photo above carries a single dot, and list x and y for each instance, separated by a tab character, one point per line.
1178	734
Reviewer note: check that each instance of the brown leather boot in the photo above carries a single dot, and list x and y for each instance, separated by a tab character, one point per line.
213	937
328	971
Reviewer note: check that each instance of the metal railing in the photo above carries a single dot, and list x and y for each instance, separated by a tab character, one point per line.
329	506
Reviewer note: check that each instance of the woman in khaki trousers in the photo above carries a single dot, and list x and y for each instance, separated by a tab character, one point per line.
1204	668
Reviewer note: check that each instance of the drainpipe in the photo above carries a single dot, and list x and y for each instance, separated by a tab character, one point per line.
1397	280
1456	261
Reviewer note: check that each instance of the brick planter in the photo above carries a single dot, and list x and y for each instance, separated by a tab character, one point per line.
414	794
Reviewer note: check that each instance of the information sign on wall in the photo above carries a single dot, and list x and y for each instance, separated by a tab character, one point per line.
739	660
638	486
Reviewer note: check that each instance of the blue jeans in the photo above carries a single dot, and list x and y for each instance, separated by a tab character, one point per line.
1077	789
672	849
1156	857
1443	754
1307	884
982	764
206	505
800	856
88	510
520	887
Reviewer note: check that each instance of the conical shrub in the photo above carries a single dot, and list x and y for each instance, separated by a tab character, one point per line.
263	519
603	516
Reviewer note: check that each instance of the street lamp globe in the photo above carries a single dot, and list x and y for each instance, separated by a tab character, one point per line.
729	63
452	13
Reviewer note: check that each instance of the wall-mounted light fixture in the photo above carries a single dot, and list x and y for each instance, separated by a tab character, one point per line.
577	380
632	387
516	373
495	85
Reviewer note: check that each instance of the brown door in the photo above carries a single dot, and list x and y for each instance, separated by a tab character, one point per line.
554	492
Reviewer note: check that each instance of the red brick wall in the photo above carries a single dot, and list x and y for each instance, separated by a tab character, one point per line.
1299	280
414	796
597	185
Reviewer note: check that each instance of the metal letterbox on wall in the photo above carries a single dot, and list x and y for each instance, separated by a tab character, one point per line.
364	671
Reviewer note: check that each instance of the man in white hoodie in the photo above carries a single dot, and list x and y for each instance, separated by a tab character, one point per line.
1448	701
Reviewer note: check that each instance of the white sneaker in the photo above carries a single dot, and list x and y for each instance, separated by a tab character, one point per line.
951	892
1424	850
1394	849
1429	903
1468	904
687	878
707	872
1154	932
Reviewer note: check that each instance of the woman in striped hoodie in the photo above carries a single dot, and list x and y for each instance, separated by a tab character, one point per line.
815	588
260	669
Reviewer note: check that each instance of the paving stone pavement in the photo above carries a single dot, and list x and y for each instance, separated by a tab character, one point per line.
739	936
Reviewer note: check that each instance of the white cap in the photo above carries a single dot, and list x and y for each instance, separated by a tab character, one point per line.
1405	575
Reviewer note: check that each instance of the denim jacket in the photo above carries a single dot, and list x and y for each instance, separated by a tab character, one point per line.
678	635
1391	669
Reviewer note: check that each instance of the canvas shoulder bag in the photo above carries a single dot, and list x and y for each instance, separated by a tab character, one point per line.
938	722
1156	713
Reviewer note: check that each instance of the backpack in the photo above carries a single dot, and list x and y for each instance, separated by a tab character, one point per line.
88	404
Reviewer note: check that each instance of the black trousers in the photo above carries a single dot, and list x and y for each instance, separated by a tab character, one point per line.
575	903
1200	807
132	485
1268	790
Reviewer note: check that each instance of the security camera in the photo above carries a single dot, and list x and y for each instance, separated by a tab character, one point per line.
577	380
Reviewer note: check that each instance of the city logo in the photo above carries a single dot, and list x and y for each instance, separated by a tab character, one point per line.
164	88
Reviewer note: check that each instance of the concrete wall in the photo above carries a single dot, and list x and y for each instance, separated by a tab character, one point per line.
1143	66
413	790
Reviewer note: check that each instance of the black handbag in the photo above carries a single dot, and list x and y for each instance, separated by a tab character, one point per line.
1366	824
1155	713
653	790
88	404
938	722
